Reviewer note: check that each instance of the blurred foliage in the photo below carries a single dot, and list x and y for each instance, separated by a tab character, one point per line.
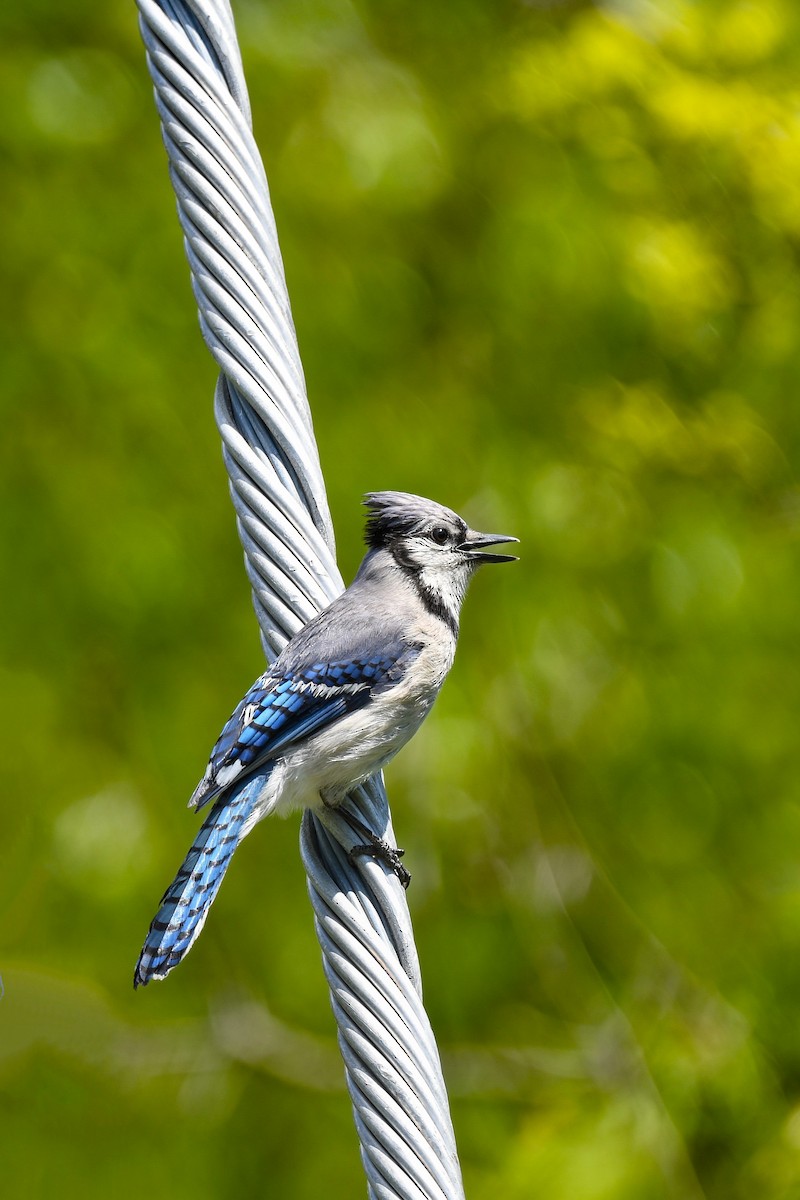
543	261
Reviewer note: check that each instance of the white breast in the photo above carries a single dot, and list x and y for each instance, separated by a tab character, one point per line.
330	763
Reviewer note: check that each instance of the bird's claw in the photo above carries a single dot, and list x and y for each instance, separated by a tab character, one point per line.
390	855
373	846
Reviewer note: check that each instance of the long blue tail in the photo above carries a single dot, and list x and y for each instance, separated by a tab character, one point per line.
185	904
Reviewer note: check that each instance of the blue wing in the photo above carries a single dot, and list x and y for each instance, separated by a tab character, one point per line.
283	707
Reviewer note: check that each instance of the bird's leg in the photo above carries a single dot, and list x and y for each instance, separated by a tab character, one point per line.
376	847
373	845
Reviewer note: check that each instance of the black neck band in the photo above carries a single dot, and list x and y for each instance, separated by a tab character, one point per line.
432	600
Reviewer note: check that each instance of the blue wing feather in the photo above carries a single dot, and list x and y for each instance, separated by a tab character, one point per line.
285	706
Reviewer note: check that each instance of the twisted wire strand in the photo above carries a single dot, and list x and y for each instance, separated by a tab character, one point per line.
391	1060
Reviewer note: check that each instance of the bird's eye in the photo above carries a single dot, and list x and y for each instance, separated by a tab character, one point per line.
440	535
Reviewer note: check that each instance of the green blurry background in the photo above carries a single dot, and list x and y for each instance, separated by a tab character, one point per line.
543	261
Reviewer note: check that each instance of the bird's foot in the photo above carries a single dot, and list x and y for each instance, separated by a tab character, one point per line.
376	847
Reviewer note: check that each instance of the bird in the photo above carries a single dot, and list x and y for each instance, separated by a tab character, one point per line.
344	695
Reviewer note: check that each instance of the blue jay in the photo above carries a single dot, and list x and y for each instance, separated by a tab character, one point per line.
345	694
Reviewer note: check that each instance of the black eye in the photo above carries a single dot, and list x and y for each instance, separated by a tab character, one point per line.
440	534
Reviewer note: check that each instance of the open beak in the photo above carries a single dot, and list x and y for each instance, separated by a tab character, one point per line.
474	547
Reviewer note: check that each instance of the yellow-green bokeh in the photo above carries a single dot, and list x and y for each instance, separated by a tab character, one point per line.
543	259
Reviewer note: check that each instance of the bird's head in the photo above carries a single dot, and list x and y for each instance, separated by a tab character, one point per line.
430	543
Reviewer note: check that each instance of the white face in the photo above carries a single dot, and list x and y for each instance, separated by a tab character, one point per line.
440	566
434	547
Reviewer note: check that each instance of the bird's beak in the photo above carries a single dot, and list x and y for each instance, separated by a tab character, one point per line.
474	547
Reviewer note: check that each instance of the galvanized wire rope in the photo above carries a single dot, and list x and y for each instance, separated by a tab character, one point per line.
391	1060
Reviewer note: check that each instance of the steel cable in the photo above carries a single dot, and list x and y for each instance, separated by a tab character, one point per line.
361	916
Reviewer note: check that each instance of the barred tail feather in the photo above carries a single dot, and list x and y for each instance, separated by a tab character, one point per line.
185	904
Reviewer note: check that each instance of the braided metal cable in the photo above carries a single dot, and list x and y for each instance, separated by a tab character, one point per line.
361	916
